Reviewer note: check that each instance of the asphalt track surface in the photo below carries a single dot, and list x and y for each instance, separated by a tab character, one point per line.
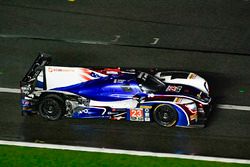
211	38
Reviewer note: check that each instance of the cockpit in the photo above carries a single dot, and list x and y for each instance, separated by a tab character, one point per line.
149	83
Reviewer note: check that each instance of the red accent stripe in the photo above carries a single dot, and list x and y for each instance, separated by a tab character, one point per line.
85	77
86	71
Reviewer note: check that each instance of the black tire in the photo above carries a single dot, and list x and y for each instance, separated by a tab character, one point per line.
165	115
52	107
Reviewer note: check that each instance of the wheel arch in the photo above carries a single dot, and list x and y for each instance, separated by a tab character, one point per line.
59	94
183	119
58	106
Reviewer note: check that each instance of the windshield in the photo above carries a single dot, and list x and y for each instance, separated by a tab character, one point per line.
149	83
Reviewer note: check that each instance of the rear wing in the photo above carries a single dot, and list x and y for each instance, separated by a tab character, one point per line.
28	81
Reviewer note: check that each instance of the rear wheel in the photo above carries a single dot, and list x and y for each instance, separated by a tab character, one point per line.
52	107
165	115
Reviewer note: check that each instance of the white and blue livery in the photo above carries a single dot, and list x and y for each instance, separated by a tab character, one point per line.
169	98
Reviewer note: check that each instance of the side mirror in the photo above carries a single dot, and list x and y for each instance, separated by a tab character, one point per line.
140	96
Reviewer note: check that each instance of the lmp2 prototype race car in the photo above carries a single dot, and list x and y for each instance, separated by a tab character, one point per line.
169	98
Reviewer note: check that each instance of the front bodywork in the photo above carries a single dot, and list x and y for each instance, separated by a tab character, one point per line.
117	94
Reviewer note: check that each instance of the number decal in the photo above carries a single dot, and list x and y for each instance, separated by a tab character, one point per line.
172	88
136	114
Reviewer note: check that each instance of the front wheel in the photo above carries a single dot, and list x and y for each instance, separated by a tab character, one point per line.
51	107
165	115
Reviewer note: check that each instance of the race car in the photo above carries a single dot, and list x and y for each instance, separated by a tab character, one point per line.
169	98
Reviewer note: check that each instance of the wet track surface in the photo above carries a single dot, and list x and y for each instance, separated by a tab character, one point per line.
213	44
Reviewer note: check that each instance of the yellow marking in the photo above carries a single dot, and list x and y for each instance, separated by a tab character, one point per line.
149	107
71	0
199	95
192	76
177	100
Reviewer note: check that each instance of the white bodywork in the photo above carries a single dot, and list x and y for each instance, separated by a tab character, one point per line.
192	80
117	104
65	76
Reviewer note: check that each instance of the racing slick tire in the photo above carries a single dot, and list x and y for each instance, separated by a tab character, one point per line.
165	115
52	107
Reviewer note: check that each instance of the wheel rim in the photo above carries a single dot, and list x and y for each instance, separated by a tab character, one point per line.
50	109
165	115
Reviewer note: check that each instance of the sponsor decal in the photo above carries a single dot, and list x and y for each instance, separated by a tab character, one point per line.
146	107
136	114
50	69
26	89
147	115
192	76
177	100
112	113
85	111
172	88
94	75
119	80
